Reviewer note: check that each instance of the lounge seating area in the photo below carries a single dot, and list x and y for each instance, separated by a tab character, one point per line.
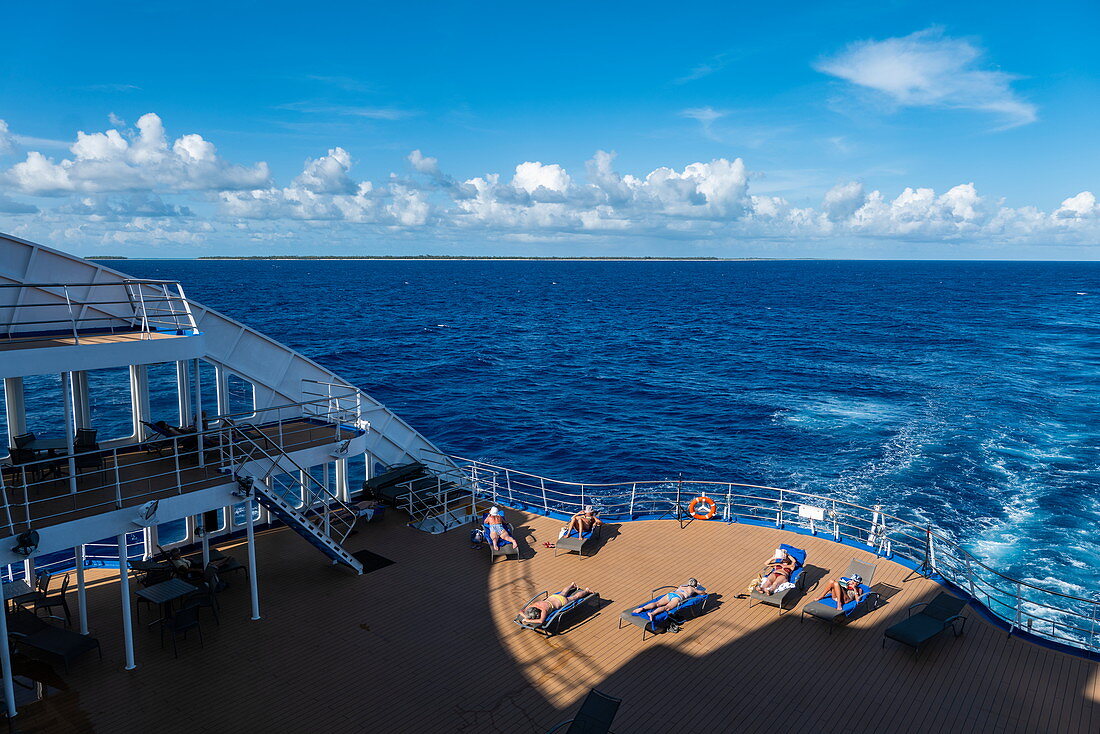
727	656
934	618
827	610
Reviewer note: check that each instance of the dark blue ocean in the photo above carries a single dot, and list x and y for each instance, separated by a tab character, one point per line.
965	393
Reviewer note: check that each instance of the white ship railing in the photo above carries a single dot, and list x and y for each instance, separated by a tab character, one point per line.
59	488
1020	605
47	310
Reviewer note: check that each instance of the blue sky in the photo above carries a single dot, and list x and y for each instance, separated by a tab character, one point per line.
840	129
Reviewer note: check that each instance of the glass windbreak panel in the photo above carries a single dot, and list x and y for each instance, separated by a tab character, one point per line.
287	487
163	394
357	473
171	532
109	411
241	400
45	406
209	384
239	518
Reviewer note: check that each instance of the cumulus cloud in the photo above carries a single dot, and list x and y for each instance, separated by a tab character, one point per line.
929	69
120	186
132	161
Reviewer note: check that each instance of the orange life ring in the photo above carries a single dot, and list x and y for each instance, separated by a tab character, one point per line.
712	508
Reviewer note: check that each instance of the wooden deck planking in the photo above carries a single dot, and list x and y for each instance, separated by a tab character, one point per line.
329	655
43	342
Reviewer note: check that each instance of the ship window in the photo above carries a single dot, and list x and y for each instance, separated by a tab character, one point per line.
45	409
239	518
109	398
171	532
209	383
163	393
241	399
287	487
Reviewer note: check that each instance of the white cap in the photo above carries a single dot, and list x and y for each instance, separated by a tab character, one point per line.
494	510
589	508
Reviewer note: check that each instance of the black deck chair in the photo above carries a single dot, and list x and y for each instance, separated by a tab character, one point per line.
179	624
207	594
939	614
47	600
595	715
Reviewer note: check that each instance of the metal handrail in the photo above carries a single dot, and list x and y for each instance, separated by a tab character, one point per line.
150	305
22	509
1019	603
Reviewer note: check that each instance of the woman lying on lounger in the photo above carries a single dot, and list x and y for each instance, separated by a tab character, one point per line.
671	600
844	590
540	610
782	569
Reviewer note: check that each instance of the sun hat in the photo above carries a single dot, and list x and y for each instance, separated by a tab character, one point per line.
857	578
494	510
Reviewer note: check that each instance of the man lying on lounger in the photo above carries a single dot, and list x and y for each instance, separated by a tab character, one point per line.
671	600
582	522
540	610
494	523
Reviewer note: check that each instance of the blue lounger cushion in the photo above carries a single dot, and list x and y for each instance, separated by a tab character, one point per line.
850	606
576	534
661	619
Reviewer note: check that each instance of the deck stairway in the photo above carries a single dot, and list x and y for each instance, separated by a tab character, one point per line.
438	499
324	520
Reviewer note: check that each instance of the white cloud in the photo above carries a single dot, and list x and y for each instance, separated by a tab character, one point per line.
929	69
7	142
133	161
1081	206
119	186
328	174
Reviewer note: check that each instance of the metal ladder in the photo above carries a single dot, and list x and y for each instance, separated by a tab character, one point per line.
439	501
324	520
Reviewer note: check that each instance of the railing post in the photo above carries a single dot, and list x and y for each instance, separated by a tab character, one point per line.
118	480
545	506
836	522
1015	624
729	503
779	512
633	491
970	578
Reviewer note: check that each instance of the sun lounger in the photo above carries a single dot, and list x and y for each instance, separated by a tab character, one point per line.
937	615
385	486
553	623
797	578
575	541
506	549
690	607
826	609
595	715
40	639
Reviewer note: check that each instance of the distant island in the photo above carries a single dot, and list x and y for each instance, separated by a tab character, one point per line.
478	257
107	257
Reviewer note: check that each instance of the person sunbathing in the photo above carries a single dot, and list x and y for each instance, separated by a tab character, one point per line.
494	524
540	610
844	590
671	600
582	522
782	568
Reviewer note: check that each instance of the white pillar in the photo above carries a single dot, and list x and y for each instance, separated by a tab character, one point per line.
252	559
17	414
70	436
81	590
139	396
124	588
183	395
82	409
5	656
28	572
221	383
342	490
205	545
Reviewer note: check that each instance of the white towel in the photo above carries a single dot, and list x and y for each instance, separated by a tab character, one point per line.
784	586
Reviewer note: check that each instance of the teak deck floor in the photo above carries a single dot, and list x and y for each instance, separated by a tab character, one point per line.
427	645
44	342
